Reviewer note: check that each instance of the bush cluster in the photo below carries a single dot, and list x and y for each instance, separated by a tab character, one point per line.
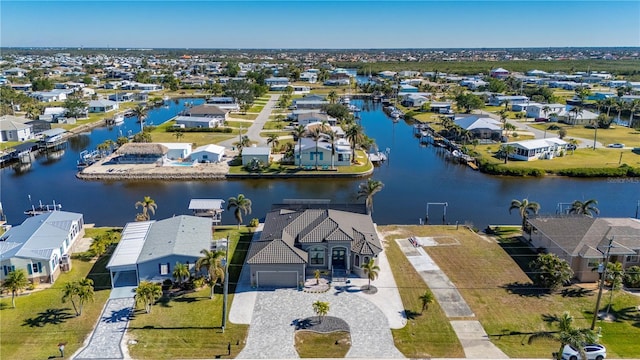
498	169
621	171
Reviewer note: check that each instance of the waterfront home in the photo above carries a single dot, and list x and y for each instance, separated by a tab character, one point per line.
497	100
310	102
306	118
224	102
413	100
306	153
481	127
499	73
50	96
52	137
535	149
197	122
177	151
149	250
208	110
38	126
13	128
140	153
208	154
122	96
251	154
544	110
102	106
39	244
582	241
300	238
309	77
569	117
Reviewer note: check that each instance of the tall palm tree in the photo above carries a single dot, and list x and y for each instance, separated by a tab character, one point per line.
545	110
333	137
140	111
577	112
147	293
332	97
273	140
524	207
242	143
615	275
212	262
587	208
354	135
633	107
321	308
148	205
609	103
568	334
426	299
181	272
316	135
371	270
299	132
15	282
241	204
367	190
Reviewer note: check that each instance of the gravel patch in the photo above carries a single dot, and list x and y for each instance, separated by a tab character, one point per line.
326	325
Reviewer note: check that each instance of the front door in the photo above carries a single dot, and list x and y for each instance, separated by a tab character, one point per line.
338	258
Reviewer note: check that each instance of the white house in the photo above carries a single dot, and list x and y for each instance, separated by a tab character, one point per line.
482	127
307	118
224	102
102	106
13	128
537	149
39	244
413	100
498	100
208	153
306	154
177	151
499	73
544	110
16	72
198	122
309	77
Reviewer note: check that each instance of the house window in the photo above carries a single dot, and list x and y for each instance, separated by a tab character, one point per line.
634	258
316	256
593	263
340	157
366	260
164	269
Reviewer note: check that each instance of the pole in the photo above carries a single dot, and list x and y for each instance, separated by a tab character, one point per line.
226	287
603	276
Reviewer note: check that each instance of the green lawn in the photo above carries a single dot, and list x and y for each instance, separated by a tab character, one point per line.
274	125
256	108
314	345
189	326
616	134
160	134
247	116
362	166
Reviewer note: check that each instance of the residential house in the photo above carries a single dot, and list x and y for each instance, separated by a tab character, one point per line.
309	77
544	110
276	81
197	122
499	73
481	127
208	154
256	153
473	84
51	96
307	118
300	238
307	154
310	102
150	250
140	153
13	128
583	241
15	72
38	126
441	107
102	106
177	151
586	117
21	87
413	100
497	100
39	244
405	88
535	149
224	102
210	111
122	96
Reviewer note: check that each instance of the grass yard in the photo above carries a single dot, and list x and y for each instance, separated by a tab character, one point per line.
363	165
256	108
616	134
40	320
189	326
426	335
238	123
314	345
246	116
274	125
498	292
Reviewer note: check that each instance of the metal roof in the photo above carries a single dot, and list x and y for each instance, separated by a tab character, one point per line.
130	245
180	235
205	204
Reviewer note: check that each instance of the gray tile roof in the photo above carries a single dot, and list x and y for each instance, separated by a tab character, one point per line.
285	230
180	235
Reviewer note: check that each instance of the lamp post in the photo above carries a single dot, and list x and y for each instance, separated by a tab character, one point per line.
225	290
603	276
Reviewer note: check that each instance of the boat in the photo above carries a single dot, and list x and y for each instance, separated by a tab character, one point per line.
42	209
118	119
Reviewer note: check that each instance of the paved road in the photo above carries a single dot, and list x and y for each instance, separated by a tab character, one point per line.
256	126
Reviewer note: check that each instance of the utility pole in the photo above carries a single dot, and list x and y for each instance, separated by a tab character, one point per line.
226	287
602	278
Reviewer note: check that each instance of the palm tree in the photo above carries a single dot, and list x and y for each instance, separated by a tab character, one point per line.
148	205
524	207
426	299
506	103
577	112
333	137
615	275
273	140
178	135
316	275
354	135
587	208
181	272
78	292
367	190
243	143
241	204
140	111
371	270
595	124
147	293
545	110
316	135
16	281
567	335
507	150
321	308
633	107
212	262
298	133
332	97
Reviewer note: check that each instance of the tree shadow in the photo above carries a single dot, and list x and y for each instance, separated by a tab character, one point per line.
410	314
4	306
627	314
49	317
550	318
118	316
188	300
526	289
576	292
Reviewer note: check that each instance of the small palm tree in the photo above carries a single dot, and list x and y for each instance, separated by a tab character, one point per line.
273	140
212	262
241	204
371	270
367	190
332	96
15	282
316	274
178	135
507	150
321	308
147	293
148	205
181	272
426	299
587	208
79	292
354	134
524	207
567	335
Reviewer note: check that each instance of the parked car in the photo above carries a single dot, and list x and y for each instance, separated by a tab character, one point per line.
593	352
541	119
571	147
616	145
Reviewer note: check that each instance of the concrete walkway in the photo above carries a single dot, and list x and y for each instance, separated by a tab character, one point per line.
253	132
106	340
473	338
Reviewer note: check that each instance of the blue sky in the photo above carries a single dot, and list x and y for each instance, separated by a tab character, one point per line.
319	24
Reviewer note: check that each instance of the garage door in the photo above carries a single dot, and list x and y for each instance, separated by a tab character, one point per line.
277	279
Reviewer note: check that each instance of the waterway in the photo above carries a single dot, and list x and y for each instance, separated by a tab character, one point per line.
413	177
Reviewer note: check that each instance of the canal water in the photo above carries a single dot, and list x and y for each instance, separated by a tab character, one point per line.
413	177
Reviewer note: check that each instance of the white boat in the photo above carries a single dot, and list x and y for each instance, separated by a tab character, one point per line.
118	119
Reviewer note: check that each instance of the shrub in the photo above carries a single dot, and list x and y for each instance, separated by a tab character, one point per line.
632	277
199	282
254	222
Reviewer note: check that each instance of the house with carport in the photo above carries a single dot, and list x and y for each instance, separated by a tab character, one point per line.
41	245
537	149
298	239
583	241
149	250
